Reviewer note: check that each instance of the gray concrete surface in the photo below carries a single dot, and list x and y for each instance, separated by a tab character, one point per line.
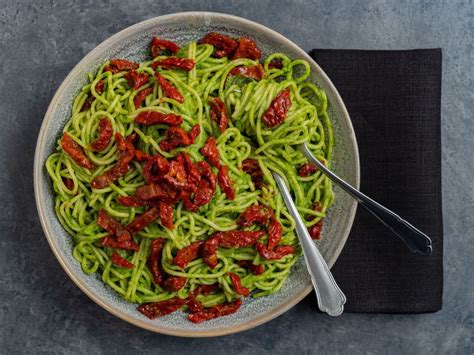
43	311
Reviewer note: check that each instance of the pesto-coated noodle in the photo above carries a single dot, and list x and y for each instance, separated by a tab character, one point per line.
274	148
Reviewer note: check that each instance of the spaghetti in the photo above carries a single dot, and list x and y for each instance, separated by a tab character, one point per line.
111	102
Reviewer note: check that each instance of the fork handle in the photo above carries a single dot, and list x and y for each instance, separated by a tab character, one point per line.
330	297
417	241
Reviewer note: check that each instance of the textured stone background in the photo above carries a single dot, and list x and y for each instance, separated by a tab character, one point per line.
43	311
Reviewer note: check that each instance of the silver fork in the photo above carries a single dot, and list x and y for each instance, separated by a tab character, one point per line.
417	241
330	297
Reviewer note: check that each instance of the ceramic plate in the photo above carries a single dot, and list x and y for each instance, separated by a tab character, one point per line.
132	43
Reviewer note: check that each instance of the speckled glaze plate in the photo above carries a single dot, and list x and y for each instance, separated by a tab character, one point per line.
132	43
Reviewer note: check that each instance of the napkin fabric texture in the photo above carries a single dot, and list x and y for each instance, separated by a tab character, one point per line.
393	99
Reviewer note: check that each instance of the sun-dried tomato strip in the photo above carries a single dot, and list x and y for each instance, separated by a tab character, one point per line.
118	170
174	63
112	226
215	311
68	182
118	65
307	169
258	214
225	182
122	262
174	283
224	46
87	103
75	152
275	64
188	254
247	48
276	113
239	289
209	250
141	96
210	152
154	260
275	231
131	201
219	113
239	238
105	135
276	254
135	79
255	269
255	72
166	215
315	230
149	118
168	89
112	243
157	45
162	308
251	167
141	221
178	137
99	87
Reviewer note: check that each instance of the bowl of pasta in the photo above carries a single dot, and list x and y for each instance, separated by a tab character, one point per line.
153	173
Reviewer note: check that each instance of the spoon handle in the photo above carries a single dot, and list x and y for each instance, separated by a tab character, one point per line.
330	297
417	241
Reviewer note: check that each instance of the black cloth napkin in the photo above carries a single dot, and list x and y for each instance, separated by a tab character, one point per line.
393	98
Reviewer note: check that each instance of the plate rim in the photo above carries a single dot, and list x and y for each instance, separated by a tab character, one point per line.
37	171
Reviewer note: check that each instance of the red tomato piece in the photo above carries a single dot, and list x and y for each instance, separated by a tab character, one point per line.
247	48
205	290
215	311
75	152
255	214
194	132
168	89
68	182
141	96
251	167
136	80
122	262
118	65
175	137
224	46
105	135
157	45
239	238
162	308
141	221
149	118
275	64
275	231
174	283
225	182
131	201
239	289
154	260
276	113
99	87
219	113
188	254
88	103
118	170
112	243
255	269
315	230
203	194
209	250
155	168
210	152
112	226
166	215
307	169
255	72
174	63
276	254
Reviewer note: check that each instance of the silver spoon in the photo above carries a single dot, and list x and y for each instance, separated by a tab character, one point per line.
416	241
330	297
